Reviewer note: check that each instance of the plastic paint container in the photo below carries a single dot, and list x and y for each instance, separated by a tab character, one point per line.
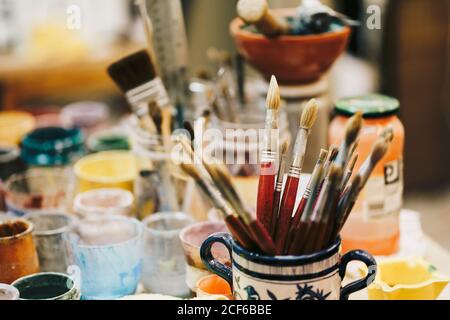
109	169
87	115
103	202
14	125
53	146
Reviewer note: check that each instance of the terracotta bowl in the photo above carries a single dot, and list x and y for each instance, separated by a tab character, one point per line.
292	59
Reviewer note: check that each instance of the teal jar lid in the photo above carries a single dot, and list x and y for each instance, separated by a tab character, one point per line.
371	105
53	146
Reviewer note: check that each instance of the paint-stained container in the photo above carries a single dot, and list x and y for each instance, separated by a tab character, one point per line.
18	256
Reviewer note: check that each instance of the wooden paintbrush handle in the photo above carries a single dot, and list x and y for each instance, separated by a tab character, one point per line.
257	12
295	222
286	209
274	217
240	232
264	206
262	237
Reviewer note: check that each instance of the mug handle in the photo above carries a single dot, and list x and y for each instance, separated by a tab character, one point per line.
368	260
210	262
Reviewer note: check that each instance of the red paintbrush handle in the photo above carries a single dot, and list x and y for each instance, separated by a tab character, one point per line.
240	232
264	206
276	206
295	221
299	238
262	237
286	209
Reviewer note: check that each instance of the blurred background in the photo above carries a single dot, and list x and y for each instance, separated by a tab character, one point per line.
48	62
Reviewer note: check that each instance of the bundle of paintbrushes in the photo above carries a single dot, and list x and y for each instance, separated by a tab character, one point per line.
136	76
330	194
313	17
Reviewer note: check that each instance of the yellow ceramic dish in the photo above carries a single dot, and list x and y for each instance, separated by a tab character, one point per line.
109	169
407	279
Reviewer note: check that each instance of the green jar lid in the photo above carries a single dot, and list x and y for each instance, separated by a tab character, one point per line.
371	105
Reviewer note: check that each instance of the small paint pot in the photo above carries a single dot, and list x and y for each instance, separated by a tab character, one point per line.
164	263
50	234
212	286
192	238
47	286
108	251
37	189
109	169
14	125
100	202
53	146
108	140
88	115
18	256
8	292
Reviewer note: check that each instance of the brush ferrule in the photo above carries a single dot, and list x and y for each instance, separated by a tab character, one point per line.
153	90
279	185
271	130
300	148
295	172
268	156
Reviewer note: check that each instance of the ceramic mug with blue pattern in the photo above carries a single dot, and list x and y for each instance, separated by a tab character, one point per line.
316	276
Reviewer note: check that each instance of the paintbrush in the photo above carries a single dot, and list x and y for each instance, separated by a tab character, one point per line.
258	232
351	151
313	183
309	116
134	75
264	207
378	152
349	170
234	224
352	129
278	187
257	13
328	215
156	114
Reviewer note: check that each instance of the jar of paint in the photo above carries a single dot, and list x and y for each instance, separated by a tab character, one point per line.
18	256
52	146
151	156
163	269
38	189
373	225
90	116
14	125
100	202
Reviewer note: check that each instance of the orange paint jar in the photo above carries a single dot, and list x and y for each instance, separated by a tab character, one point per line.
18	256
373	224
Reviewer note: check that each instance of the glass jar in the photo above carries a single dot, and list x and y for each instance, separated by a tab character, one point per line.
241	147
373	225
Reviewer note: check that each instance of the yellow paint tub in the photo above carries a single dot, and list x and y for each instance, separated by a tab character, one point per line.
110	169
410	278
14	125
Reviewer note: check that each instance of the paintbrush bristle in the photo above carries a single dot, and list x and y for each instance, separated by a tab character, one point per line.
379	151
353	127
251	11
273	95
309	114
284	148
333	152
323	155
190	170
132	71
335	172
352	162
387	134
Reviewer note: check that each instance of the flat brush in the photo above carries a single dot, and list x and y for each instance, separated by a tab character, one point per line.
234	224
309	116
266	184
313	183
278	187
257	13
136	76
351	133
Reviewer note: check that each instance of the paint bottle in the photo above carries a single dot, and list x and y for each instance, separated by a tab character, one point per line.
373	225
